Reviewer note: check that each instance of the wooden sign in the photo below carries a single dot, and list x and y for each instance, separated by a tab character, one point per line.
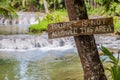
81	27
82	31
85	44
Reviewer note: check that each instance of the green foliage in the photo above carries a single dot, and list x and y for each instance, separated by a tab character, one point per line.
93	12
109	7
57	16
114	68
35	5
110	55
113	9
116	23
7	10
56	4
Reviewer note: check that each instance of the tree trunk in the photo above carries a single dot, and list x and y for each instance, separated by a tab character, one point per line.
54	4
23	3
45	6
93	69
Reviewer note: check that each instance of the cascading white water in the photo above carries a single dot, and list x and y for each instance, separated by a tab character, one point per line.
21	24
27	42
23	18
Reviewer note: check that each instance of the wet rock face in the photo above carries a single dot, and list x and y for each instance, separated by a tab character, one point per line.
26	42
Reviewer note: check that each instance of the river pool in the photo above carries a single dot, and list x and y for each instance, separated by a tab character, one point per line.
25	57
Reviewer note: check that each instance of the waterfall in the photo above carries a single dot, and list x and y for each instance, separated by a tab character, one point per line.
28	42
21	24
25	42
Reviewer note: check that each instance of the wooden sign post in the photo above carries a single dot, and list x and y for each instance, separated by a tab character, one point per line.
83	30
81	27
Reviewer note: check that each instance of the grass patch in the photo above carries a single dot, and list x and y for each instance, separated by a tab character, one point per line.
54	17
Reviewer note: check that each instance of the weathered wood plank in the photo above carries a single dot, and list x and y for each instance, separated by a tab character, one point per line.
81	27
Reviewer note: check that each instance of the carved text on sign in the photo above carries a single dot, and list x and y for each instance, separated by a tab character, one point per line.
82	27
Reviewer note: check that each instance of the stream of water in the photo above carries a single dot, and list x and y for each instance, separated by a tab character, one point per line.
19	25
29	64
27	57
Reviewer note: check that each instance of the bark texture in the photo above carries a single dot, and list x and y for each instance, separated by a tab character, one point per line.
93	69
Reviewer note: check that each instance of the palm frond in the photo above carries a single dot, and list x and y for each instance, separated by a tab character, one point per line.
7	11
